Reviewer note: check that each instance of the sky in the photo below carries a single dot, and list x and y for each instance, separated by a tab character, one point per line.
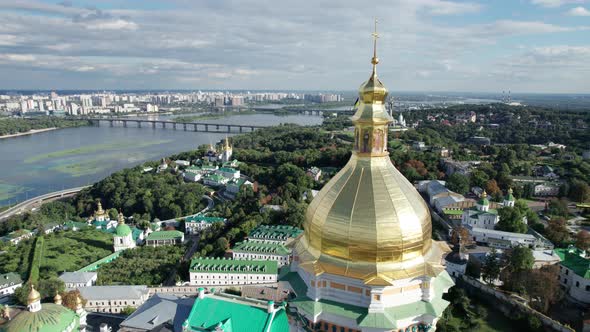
424	45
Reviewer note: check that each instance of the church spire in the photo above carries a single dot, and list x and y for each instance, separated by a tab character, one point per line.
371	119
375	59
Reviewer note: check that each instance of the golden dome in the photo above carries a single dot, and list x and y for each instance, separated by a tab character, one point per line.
369	222
57	299
34	295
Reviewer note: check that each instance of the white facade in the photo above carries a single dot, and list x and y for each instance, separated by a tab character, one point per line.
500	239
9	282
193	177
576	286
230	278
123	242
480	216
79	279
281	260
546	190
113	299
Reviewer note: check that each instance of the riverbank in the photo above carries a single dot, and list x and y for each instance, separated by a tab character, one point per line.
30	132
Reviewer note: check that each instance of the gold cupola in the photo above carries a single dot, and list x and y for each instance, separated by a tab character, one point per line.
369	222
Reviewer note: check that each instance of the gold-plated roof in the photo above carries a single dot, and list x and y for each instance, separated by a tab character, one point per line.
369	222
34	295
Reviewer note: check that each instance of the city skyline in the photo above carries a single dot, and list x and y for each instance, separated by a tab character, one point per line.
428	45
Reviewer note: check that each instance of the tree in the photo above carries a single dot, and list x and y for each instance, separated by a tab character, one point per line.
69	299
458	183
580	191
543	287
492	187
558	207
557	231
49	287
491	267
128	310
521	259
479	178
113	214
583	239
511	220
461	232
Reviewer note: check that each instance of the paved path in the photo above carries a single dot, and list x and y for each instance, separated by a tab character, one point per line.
36	201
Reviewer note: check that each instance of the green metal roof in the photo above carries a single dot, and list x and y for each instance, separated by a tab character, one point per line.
94	266
9	279
275	232
223	265
227	170
122	230
572	259
452	211
51	318
234	316
261	248
164	235
214	177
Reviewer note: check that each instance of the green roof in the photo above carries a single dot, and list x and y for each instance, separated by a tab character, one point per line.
94	266
122	230
234	316
260	247
214	177
452	211
199	219
227	170
164	235
483	201
275	232
9	279
51	318
572	259
209	264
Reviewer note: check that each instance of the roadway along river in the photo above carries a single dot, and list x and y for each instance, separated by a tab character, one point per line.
66	158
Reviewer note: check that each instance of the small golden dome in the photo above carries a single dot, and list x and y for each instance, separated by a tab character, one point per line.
34	295
57	299
121	218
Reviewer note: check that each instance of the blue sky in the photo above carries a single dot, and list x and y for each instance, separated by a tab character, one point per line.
424	45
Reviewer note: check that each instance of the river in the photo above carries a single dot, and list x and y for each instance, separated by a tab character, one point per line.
54	160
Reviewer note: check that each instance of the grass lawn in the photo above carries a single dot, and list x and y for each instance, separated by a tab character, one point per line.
70	251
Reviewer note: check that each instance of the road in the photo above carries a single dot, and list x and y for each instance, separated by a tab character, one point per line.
36	201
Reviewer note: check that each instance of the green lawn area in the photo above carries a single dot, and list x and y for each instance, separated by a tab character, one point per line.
494	322
70	251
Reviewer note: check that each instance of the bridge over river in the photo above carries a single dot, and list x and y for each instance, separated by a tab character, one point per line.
186	126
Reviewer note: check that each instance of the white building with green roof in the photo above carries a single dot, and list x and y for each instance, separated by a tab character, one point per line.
574	273
253	250
234	314
480	215
228	172
164	238
197	223
221	271
9	282
281	234
123	237
214	180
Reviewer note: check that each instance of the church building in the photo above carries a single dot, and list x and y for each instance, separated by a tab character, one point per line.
366	260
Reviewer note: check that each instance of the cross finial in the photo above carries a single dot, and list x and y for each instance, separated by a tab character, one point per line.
375	35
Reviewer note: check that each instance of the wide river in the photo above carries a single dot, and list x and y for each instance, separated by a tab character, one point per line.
36	164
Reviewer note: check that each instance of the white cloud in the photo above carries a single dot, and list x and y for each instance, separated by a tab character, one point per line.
111	25
579	11
555	3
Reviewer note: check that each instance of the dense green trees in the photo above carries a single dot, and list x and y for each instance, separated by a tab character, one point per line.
491	267
19	125
511	220
458	183
164	195
141	266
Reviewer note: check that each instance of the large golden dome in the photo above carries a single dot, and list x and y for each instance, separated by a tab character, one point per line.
369	222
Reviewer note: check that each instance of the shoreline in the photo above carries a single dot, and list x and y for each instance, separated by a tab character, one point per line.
30	132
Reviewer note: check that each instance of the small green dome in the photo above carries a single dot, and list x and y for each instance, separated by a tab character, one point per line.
51	318
122	230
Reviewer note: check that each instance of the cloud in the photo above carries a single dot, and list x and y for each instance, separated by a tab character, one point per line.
555	3
424	45
579	11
